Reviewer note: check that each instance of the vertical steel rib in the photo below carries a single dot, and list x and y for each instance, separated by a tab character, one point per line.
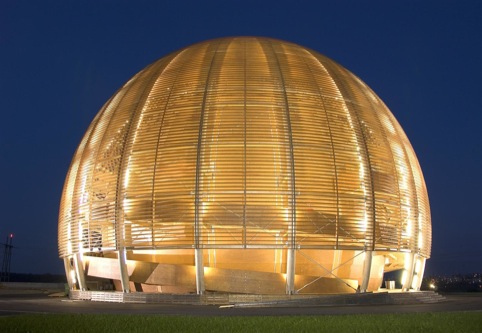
394	164
362	141
412	183
161	125
291	150
118	217
332	144
198	152
198	256
290	257
120	191
245	157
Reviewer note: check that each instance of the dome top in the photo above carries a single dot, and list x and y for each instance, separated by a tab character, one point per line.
245	142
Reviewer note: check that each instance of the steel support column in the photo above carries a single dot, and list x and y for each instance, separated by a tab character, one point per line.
367	266
420	272
68	272
79	271
198	258
413	272
290	272
124	274
409	270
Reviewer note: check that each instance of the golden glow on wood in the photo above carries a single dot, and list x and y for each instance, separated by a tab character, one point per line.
245	143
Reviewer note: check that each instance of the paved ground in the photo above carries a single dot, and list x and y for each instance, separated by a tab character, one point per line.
16	302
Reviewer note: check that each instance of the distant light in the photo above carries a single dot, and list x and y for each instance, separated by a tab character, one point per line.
432	286
11	235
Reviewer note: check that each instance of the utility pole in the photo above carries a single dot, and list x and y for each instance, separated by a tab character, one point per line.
7	258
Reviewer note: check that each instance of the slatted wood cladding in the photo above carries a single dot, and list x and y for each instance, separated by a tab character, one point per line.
245	143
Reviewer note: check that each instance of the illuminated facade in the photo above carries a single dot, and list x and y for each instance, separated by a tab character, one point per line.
244	165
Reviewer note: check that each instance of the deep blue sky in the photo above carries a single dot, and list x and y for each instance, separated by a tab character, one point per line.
61	60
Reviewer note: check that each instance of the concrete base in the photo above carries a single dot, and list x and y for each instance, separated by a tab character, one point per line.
230	300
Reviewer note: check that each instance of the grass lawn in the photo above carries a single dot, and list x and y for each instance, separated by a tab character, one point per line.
86	323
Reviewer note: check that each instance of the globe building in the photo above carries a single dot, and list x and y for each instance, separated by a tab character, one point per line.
244	165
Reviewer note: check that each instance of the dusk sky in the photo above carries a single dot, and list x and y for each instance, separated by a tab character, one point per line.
60	61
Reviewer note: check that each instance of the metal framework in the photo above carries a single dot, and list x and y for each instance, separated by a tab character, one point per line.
7	259
239	161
